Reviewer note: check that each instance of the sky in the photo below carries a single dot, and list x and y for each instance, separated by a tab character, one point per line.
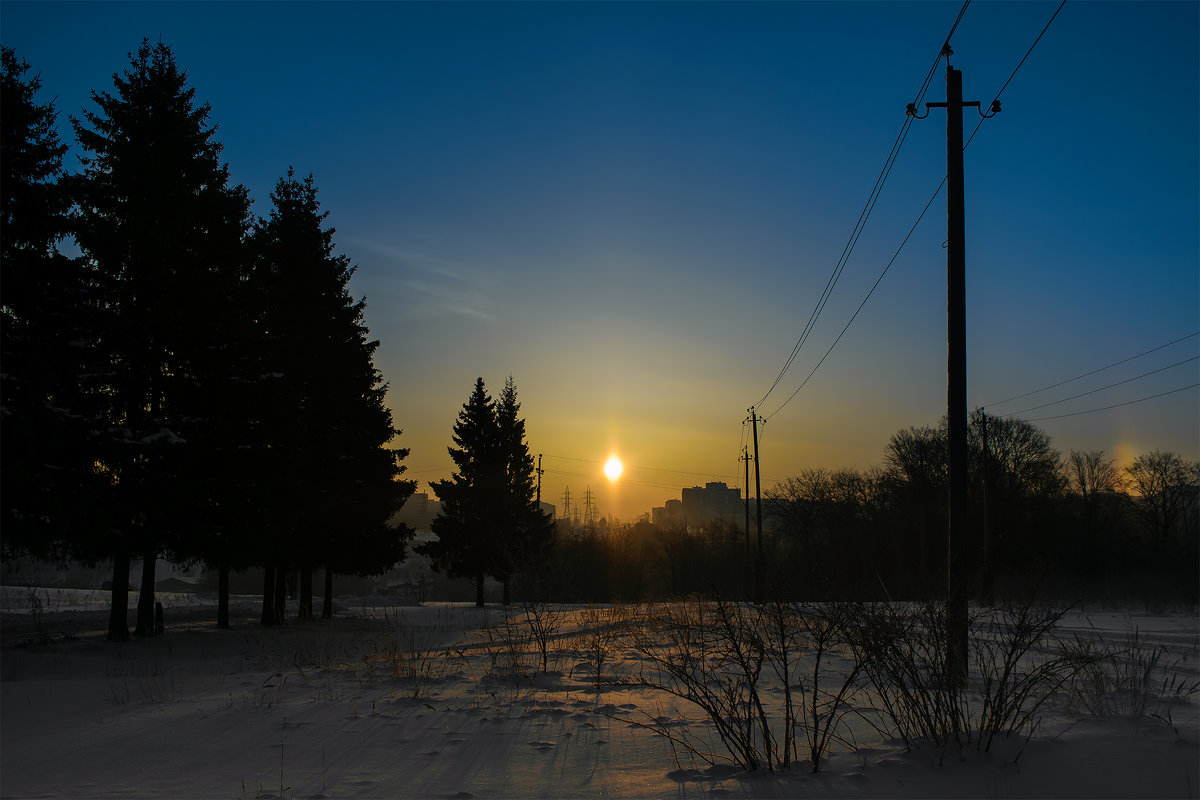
633	208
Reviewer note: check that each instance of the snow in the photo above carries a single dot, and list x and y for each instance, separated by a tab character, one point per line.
445	701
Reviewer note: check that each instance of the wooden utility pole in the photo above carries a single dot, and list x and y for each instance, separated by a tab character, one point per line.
758	560
746	561
957	549
986	585
539	482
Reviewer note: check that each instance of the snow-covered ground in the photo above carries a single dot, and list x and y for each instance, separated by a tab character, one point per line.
449	701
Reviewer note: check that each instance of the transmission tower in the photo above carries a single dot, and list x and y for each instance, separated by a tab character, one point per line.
589	508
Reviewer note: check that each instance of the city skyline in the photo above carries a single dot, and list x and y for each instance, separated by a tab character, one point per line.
633	209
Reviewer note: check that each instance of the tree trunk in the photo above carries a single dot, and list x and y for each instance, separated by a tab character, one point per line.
507	597
268	599
223	596
145	610
306	594
327	611
280	594
118	615
479	590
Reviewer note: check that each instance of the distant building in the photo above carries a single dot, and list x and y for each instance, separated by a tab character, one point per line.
669	515
700	506
418	512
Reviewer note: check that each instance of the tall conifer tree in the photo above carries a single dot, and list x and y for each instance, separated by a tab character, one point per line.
472	498
525	533
163	230
490	523
332	470
45	332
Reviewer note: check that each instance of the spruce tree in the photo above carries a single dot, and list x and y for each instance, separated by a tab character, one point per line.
326	436
525	533
163	231
473	498
46	322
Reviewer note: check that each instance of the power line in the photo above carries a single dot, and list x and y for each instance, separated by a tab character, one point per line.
1102	388
1117	405
863	216
449	468
1015	70
1093	372
919	217
892	260
632	467
627	481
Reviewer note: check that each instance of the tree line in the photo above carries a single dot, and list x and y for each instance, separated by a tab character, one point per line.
195	383
1072	527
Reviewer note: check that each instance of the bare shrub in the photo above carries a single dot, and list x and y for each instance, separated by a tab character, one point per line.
543	622
710	655
1134	679
1018	664
414	663
902	649
602	628
827	692
728	659
507	649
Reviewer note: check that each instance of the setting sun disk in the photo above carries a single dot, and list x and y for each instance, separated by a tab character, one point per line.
613	468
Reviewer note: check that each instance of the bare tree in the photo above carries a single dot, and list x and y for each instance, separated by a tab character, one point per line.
1089	475
915	462
1167	490
1098	484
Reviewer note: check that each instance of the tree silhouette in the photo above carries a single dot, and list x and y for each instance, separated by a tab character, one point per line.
915	464
46	332
325	432
1023	481
1167	493
525	533
473	498
163	230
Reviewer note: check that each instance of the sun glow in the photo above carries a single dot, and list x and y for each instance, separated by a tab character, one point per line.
613	468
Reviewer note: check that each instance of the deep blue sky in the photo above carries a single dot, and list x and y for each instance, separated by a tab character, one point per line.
633	207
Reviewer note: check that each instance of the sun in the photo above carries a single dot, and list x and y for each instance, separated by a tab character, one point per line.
613	468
